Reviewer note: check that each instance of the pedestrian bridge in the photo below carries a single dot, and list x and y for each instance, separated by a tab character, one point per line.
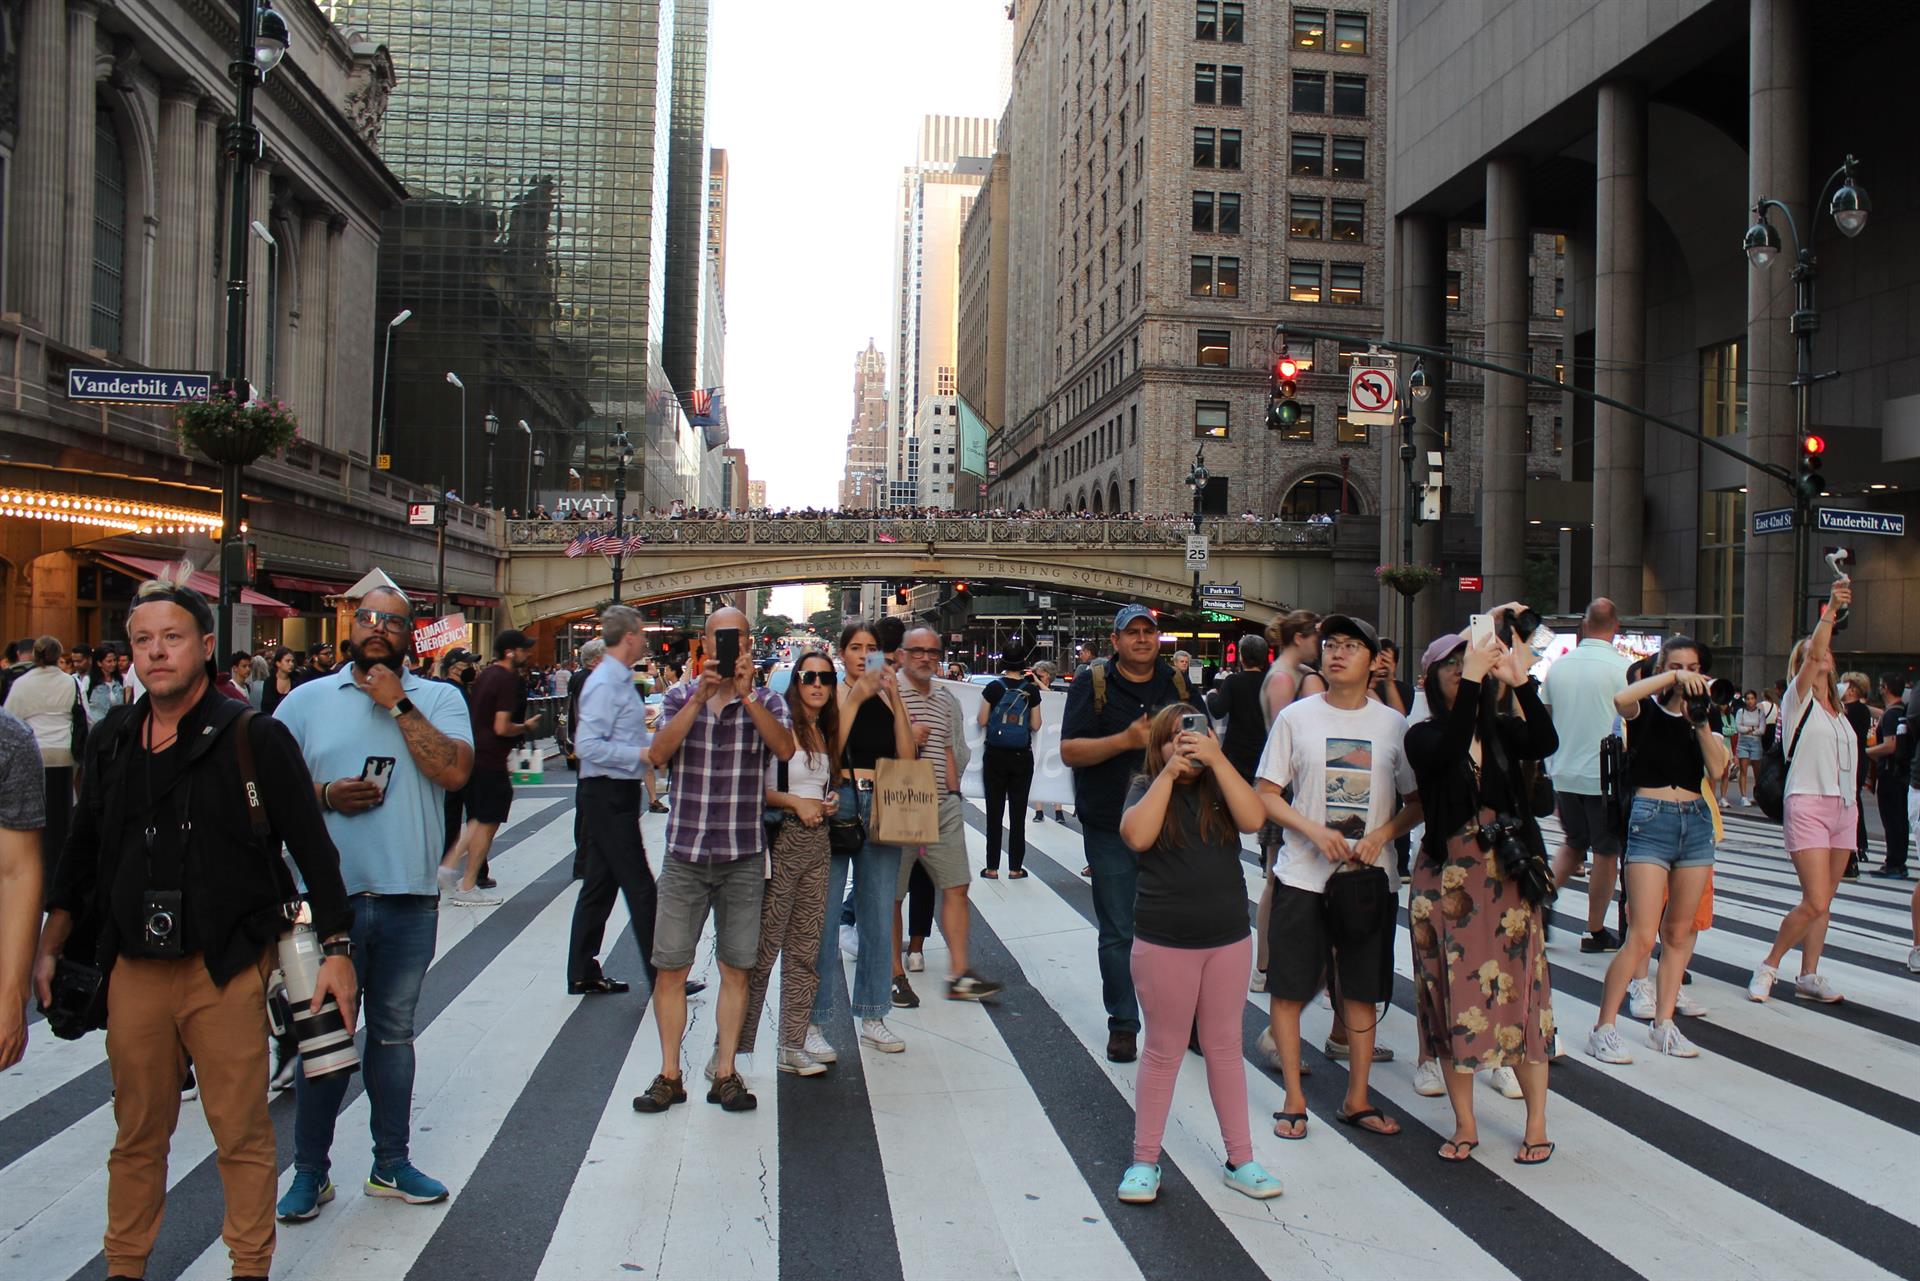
1276	565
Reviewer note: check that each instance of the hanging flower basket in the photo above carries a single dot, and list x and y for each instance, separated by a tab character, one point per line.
1408	580
233	432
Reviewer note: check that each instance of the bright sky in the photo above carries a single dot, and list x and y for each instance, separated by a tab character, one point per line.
819	110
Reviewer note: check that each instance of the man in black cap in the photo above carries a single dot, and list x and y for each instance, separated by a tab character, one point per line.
1343	755
498	705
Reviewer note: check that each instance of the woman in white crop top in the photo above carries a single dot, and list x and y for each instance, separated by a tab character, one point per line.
1822	816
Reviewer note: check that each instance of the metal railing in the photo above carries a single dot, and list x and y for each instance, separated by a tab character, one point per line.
839	531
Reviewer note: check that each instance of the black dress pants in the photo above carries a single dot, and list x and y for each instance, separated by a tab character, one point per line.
1892	796
1007	775
616	863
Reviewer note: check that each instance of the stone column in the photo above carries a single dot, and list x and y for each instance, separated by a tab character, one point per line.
1503	474
38	241
176	310
1620	344
1421	318
209	297
78	263
316	325
1777	135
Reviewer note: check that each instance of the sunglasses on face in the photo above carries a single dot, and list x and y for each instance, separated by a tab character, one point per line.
377	618
816	678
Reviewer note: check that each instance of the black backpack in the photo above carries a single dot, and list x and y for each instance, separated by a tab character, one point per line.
1770	780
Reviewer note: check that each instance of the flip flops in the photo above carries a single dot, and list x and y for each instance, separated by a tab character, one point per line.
1462	1151
1358	1121
1290	1119
1525	1156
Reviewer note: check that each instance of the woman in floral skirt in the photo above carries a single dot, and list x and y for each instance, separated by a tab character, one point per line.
1481	987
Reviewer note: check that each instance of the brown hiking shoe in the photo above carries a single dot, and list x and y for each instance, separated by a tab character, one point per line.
731	1093
661	1095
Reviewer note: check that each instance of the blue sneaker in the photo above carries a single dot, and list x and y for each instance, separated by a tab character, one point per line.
1141	1184
406	1183
1251	1179
311	1190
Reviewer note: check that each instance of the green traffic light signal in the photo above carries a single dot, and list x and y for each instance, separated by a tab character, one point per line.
1282	414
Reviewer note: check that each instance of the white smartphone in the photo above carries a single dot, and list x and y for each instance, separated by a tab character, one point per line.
1482	625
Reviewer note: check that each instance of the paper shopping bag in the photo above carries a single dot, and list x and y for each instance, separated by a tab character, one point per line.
906	803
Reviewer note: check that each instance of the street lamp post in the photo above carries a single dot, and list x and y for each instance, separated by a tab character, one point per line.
455	380
1198	479
1849	208
492	425
536	465
527	431
261	44
623	454
386	377
440	551
1419	387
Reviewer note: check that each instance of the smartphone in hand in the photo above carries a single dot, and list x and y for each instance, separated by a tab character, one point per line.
378	770
726	650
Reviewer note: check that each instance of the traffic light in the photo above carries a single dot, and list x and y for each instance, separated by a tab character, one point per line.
900	596
242	562
960	589
1283	411
1813	481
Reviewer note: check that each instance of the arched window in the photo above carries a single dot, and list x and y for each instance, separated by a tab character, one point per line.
1113	496
109	233
1318	496
1080	504
1099	501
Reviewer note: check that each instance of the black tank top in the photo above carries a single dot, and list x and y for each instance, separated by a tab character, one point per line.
871	736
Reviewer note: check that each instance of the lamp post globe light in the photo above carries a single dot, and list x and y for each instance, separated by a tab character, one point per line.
491	423
527	430
380	460
260	43
1849	208
536	465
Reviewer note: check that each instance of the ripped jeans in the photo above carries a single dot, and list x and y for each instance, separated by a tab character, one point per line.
393	936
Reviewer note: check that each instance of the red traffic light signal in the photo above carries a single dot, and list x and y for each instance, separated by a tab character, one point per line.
1813	446
960	588
1286	368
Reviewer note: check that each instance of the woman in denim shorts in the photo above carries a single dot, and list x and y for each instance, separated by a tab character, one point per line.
1669	855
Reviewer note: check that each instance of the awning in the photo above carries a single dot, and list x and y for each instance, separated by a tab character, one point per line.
206	584
318	586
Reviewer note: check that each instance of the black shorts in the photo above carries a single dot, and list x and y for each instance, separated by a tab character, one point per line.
489	796
1300	949
1584	820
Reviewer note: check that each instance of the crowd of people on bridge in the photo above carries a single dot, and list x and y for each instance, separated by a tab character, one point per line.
174	830
603	513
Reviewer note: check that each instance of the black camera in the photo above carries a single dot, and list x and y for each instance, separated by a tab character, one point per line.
1508	625
1505	839
79	999
160	929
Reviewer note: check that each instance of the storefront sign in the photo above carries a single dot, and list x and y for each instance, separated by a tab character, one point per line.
441	633
137	387
1472	583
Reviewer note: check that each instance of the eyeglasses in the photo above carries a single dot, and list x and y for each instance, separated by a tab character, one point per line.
816	678
1343	647
380	618
1445	663
920	651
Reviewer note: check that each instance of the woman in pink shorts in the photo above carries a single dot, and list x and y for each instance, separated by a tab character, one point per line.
1821	815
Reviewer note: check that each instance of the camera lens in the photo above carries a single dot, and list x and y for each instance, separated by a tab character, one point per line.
160	924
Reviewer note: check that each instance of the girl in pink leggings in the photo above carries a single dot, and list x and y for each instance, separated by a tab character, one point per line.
1191	946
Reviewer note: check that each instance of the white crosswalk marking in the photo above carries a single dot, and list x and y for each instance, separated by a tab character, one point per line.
996	1140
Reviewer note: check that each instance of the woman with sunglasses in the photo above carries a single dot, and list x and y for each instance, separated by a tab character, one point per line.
873	726
793	911
1482	993
1191	944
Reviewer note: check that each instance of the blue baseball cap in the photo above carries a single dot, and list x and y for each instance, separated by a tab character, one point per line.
1130	614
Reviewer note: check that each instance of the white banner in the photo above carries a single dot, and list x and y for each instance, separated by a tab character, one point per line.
1052	781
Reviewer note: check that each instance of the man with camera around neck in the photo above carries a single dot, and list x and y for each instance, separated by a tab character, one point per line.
368	720
190	941
1344	755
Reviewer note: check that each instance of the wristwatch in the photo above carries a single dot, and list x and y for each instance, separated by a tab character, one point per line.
337	947
400	708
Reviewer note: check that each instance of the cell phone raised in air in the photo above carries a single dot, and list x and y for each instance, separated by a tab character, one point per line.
1193	722
726	650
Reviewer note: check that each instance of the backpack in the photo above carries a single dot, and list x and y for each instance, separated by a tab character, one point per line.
1100	687
1770	780
1007	727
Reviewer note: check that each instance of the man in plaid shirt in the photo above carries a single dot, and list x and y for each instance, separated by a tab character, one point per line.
718	734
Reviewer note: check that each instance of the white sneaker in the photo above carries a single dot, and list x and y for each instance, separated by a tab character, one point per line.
1760	986
1814	987
1269	1049
876	1033
1427	1081
472	898
1640	998
1259	981
449	878
849	941
800	1063
1685	1004
1604	1043
1747	801
818	1048
916	962
1913	961
1666	1038
1507	1081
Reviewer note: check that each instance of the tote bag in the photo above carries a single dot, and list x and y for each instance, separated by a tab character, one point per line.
906	803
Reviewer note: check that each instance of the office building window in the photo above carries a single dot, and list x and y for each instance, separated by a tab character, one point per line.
1309	28
1349	433
1559	295
1200	275
1345	361
1350	158
1349	95
1308	157
1559	436
1349	219
1347	279
1233	22
1453	291
1349	33
1210	419
1229	148
1310	91
1206	20
1203	211
1723	389
1302	428
1230	78
1205	85
1227	282
1203	149
110	236
1303	281
1229	213
1213	348
1304	217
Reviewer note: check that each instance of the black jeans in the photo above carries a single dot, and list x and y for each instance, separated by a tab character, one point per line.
616	864
1892	796
1007	775
59	794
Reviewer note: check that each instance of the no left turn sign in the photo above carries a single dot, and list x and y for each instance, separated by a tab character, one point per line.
1370	392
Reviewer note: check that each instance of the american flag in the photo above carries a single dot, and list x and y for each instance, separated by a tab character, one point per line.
580	545
703	406
886	538
606	544
634	543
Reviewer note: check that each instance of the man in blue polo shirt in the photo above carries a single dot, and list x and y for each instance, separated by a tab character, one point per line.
368	720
